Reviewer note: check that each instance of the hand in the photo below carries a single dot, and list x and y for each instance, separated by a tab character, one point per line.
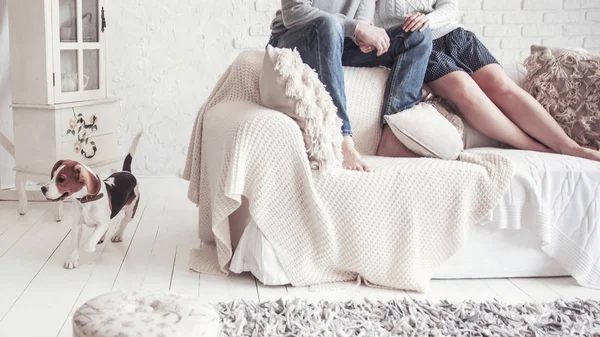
365	48
369	37
415	21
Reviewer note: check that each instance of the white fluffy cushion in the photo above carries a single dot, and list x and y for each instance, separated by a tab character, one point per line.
145	312
292	87
426	132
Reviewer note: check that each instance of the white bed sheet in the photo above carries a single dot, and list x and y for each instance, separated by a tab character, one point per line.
558	189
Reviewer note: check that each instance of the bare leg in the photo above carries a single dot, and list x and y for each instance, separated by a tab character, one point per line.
352	159
480	112
323	52
527	112
390	146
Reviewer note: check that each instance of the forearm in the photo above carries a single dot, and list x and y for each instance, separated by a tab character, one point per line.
444	13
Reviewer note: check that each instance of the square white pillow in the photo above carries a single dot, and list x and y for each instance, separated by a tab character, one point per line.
292	87
426	132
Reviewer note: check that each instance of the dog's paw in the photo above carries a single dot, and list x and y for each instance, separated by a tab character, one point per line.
117	238
71	263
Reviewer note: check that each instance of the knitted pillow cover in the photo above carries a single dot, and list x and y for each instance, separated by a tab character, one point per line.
567	84
292	87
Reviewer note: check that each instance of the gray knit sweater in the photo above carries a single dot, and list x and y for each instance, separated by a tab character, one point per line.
297	12
441	14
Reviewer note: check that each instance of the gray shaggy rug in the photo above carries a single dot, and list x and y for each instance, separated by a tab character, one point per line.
407	317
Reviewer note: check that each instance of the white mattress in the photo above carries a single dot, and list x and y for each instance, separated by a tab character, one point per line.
507	243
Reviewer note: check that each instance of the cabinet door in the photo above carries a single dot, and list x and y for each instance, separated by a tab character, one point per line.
79	50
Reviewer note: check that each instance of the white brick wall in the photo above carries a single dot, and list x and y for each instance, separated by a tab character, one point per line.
507	27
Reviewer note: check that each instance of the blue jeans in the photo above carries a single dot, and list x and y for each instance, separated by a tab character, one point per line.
322	46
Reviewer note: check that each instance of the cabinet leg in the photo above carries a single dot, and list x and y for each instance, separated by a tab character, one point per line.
21	192
58	211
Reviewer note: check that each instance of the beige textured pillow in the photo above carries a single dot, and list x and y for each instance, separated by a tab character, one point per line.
567	84
292	87
426	132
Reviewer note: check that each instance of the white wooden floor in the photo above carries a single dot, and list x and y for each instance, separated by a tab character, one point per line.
38	296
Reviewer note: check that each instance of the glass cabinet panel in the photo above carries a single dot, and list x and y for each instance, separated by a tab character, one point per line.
68	20
91	69
79	54
68	65
89	20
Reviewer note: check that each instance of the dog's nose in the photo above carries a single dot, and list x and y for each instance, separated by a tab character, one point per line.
44	189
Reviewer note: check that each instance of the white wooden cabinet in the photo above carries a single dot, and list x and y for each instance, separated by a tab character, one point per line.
60	88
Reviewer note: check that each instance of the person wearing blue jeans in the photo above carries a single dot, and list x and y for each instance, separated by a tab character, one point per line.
328	39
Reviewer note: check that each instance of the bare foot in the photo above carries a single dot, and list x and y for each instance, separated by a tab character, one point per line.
390	146
352	159
582	152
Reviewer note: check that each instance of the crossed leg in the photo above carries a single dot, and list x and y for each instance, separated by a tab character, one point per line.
526	112
480	112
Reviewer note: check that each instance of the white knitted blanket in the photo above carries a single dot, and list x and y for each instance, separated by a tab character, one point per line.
391	227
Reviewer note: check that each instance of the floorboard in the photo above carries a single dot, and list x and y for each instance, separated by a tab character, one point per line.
184	280
8	215
21	263
20	224
132	271
269	293
507	291
216	288
535	288
568	289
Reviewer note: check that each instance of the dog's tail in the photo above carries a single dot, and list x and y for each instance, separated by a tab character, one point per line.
129	158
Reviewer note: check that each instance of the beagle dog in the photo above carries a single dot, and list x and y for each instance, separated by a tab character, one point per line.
96	202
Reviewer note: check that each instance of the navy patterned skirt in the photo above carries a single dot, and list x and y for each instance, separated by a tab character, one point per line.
459	50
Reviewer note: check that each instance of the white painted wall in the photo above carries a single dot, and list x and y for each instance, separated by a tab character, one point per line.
167	55
6	161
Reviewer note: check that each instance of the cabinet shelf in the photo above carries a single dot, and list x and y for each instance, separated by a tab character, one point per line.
65	105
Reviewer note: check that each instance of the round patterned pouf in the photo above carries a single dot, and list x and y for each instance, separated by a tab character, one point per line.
145	313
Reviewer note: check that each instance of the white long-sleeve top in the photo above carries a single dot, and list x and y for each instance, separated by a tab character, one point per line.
441	13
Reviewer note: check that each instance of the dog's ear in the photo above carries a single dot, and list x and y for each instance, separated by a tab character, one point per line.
57	165
88	179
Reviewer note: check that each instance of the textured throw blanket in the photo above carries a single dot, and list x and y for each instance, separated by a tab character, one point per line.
391	227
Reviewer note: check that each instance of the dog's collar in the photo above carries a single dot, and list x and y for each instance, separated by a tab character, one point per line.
92	197
89	198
